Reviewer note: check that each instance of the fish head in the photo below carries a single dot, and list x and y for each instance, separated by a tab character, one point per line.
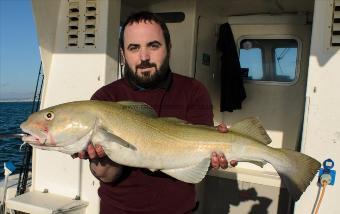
66	128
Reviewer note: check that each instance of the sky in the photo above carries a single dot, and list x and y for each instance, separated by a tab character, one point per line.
19	50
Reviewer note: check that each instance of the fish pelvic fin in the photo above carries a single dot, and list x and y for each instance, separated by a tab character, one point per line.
296	170
251	128
139	107
190	174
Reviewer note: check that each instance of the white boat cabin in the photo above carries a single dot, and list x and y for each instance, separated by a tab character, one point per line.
289	54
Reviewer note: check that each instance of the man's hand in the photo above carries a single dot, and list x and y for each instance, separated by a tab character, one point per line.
92	152
219	160
101	166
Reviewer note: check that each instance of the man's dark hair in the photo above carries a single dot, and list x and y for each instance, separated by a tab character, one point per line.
146	16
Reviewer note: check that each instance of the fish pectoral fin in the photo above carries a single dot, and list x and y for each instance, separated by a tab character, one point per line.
101	135
190	174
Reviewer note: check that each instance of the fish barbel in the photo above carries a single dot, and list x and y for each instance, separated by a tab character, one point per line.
131	134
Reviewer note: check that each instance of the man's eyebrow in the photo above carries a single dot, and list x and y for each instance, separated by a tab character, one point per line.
133	45
154	42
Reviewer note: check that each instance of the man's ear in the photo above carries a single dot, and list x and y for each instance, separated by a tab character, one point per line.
169	51
122	57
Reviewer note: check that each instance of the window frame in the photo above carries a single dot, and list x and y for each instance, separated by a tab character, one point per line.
298	58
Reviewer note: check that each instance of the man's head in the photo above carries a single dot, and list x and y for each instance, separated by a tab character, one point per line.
145	45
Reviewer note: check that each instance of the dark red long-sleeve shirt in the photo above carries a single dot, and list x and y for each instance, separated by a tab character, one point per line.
141	191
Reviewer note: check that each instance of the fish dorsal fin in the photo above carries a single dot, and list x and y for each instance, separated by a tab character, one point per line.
190	174
252	128
139	107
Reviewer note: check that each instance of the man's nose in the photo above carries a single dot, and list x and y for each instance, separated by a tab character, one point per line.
144	54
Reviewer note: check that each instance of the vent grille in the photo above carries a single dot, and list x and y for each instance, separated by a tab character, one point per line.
73	23
81	23
90	23
335	38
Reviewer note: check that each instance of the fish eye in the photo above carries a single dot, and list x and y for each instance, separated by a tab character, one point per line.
49	116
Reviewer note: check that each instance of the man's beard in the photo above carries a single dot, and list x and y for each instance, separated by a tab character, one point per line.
147	80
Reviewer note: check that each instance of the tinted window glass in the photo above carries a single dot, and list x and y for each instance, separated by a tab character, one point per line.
269	59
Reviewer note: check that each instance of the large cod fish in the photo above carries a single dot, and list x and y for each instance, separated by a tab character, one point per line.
131	134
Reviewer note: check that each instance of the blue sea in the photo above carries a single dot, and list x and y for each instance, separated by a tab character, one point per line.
11	115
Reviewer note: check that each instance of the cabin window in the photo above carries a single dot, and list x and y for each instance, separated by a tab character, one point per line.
269	60
252	60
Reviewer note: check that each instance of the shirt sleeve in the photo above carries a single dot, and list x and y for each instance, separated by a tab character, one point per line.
103	95
200	108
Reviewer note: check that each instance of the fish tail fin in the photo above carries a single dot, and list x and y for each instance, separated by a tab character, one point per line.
296	170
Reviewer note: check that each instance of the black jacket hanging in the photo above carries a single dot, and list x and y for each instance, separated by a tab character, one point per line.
232	89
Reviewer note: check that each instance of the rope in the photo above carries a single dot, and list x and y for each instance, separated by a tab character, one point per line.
324	184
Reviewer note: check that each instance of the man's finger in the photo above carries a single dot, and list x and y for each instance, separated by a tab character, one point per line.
75	155
233	163
83	155
223	163
100	151
222	128
91	151
214	160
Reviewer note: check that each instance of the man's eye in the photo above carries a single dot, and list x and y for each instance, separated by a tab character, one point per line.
154	46
133	48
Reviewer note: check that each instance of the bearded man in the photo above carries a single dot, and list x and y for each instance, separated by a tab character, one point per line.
145	47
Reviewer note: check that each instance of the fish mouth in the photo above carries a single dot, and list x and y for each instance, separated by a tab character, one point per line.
34	139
